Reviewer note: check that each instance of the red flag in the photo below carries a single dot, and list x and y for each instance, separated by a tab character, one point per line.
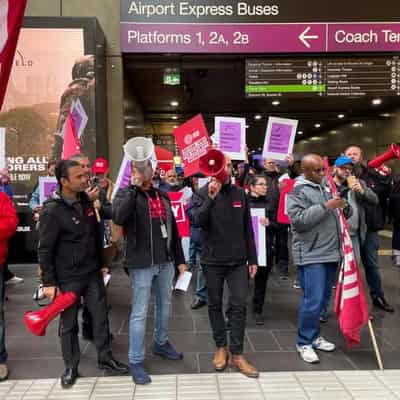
11	15
71	144
350	305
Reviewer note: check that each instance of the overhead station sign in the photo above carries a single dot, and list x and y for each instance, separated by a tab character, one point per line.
202	26
330	77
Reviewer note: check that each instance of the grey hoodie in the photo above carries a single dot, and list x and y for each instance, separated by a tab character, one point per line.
316	230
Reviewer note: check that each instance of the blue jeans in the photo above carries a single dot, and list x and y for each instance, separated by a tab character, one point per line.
369	257
316	280
194	250
142	280
201	285
3	352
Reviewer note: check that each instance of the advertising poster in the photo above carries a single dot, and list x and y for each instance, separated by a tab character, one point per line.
51	73
279	138
193	142
231	136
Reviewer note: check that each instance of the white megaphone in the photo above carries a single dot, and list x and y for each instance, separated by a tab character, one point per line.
139	149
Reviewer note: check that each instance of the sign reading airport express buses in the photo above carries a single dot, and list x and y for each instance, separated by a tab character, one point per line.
283	26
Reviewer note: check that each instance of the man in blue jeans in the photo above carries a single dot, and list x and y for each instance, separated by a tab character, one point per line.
153	249
316	251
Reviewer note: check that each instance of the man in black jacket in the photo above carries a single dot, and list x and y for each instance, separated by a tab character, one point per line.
71	255
228	254
375	222
153	247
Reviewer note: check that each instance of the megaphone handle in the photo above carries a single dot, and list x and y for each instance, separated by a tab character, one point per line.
96	211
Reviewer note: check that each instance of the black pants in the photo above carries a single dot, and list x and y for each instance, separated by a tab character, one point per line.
282	240
260	288
93	290
237	280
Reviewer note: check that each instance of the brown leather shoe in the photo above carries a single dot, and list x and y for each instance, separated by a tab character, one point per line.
243	366
221	359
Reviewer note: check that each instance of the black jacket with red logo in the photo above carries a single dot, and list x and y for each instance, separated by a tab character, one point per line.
70	240
228	237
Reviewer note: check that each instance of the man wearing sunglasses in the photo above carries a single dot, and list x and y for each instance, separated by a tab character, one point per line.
315	249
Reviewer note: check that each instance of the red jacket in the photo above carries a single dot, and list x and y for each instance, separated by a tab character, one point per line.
8	224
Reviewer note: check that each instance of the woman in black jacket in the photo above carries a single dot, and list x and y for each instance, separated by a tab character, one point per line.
258	198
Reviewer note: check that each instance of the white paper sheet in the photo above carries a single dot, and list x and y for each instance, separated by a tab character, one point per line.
183	281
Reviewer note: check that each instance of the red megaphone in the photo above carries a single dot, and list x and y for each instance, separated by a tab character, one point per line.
37	321
213	164
393	152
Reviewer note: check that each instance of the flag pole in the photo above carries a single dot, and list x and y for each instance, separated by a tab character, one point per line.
375	344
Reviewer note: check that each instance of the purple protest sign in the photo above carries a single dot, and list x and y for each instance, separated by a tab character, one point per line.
279	138
255	223
124	175
47	186
229	136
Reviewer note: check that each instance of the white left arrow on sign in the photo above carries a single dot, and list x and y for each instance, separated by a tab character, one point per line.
304	37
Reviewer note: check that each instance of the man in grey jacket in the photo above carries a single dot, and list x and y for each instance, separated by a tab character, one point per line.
316	251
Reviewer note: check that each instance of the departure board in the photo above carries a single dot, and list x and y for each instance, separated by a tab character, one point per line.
333	77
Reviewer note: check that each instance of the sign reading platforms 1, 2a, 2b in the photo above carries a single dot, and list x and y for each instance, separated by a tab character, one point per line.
227	26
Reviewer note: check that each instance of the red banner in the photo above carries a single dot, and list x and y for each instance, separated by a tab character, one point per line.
178	208
350	305
193	142
286	188
11	15
71	145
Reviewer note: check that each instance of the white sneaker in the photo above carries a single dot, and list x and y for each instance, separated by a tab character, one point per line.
321	344
15	280
308	354
39	294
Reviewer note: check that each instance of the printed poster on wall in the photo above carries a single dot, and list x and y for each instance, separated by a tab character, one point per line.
259	235
279	138
230	134
47	78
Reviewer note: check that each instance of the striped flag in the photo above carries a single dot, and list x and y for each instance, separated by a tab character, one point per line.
350	306
11	15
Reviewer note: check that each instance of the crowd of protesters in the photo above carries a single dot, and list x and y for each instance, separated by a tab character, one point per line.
81	228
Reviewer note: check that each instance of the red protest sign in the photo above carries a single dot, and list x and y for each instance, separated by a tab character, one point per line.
193	141
178	208
286	188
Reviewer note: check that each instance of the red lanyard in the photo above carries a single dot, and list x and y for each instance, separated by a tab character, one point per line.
156	207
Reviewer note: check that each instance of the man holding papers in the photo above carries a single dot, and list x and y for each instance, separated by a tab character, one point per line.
228	254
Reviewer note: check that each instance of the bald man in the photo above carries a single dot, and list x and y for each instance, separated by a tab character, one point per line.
375	220
228	254
316	251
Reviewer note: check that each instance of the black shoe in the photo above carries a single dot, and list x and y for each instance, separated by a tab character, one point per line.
113	365
381	303
259	318
68	378
198	303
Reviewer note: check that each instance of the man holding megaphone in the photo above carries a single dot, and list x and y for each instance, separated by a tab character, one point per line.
153	249
228	254
71	256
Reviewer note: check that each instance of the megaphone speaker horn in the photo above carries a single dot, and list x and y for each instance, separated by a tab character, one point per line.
139	149
213	164
391	153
